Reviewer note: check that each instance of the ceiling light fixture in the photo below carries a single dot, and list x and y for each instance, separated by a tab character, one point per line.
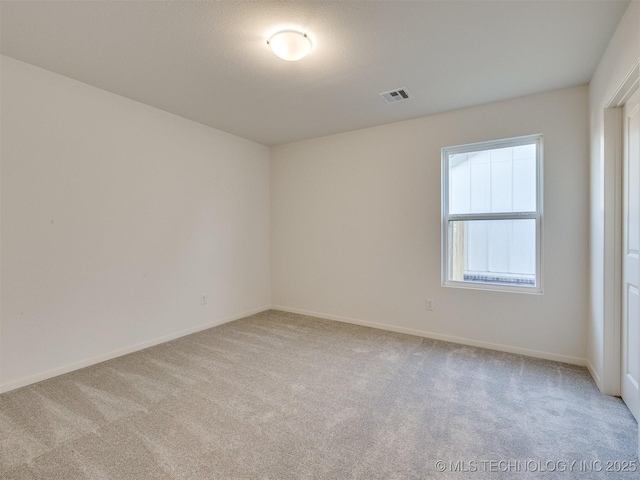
290	45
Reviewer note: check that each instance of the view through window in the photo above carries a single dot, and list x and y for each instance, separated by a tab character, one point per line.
492	214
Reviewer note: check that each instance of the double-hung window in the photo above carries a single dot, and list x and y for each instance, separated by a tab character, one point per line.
492	215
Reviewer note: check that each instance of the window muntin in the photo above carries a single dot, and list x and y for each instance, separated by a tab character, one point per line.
492	215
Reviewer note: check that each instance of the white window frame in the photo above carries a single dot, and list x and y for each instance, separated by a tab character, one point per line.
537	215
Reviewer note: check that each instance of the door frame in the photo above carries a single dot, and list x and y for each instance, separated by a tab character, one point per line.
612	175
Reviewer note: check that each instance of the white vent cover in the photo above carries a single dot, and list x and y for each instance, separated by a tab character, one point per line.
397	95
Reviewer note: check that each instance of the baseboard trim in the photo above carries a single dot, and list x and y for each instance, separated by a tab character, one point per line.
23	382
594	375
438	336
365	323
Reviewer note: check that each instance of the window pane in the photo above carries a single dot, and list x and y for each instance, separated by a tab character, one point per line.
501	252
493	181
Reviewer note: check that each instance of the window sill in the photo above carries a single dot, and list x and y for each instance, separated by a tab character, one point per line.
492	287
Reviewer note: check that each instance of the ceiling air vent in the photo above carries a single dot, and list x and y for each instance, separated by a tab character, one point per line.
393	96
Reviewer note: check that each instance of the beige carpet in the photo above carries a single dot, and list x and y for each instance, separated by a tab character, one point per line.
283	396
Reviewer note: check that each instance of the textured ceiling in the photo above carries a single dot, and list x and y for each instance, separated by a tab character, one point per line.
209	62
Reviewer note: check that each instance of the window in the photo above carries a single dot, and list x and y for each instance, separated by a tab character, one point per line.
492	215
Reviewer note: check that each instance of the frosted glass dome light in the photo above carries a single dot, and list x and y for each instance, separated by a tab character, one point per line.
290	45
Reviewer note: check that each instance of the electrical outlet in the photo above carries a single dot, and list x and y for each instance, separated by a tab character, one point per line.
429	304
205	299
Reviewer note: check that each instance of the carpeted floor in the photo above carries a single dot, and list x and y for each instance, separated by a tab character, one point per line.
283	396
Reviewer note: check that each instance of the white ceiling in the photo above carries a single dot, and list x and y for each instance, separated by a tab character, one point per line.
208	60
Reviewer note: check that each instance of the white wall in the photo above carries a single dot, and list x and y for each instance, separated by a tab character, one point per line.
618	60
116	217
355	228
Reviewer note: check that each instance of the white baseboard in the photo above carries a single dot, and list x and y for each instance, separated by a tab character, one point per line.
123	351
594	374
6	387
438	336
